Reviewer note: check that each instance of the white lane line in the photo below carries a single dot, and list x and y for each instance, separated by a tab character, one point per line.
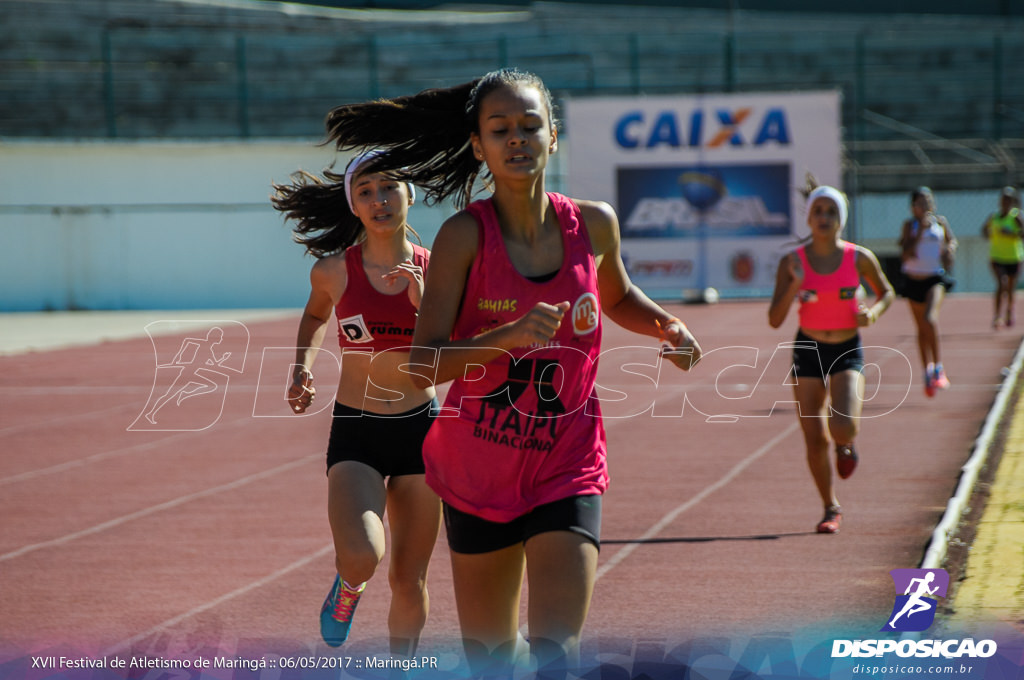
181	500
670	517
298	564
667	519
53	423
96	457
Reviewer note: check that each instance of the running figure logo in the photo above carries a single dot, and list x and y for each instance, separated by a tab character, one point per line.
914	609
198	372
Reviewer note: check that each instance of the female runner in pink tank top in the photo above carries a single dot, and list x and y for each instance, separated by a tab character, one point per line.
824	274
512	314
370	277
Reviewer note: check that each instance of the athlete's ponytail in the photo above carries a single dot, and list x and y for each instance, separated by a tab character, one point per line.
810	184
422	139
425	137
324	223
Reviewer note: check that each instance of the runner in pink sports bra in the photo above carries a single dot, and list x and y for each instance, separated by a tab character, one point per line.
515	295
824	275
829	302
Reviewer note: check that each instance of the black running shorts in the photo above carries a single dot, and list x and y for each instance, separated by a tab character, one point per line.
469	534
1011	269
917	289
391	444
815	359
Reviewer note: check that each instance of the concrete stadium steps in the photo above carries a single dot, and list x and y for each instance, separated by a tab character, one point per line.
187	68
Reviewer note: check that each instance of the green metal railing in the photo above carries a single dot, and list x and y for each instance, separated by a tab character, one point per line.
194	83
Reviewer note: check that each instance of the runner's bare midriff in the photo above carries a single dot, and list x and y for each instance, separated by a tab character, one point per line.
380	380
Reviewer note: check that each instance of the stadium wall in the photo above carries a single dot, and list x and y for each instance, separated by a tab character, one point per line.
153	225
188	225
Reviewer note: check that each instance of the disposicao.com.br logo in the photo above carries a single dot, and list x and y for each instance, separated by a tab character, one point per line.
913	611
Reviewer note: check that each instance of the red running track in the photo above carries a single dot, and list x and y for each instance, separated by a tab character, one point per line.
206	531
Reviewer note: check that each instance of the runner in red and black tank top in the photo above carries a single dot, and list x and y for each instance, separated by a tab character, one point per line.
374	454
372	320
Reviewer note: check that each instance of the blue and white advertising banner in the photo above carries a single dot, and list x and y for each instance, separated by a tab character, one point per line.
707	188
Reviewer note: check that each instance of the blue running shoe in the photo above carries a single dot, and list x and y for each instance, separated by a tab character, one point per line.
338	610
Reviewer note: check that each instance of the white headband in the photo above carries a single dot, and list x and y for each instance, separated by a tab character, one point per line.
353	168
833	195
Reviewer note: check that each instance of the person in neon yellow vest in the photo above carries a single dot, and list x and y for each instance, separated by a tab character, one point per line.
1005	233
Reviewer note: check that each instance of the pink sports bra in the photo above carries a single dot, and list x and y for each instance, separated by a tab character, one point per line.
829	301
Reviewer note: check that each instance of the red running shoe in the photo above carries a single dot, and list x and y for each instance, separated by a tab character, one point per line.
846	460
831	521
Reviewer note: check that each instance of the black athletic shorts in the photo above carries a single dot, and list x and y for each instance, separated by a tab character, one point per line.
815	359
1011	269
391	444
471	535
917	289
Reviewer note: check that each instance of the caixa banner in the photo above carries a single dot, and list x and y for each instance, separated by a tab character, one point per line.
707	188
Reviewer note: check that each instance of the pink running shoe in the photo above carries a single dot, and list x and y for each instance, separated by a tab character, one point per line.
846	460
929	384
940	380
831	521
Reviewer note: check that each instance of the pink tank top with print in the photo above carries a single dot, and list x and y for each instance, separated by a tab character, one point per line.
829	301
525	429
